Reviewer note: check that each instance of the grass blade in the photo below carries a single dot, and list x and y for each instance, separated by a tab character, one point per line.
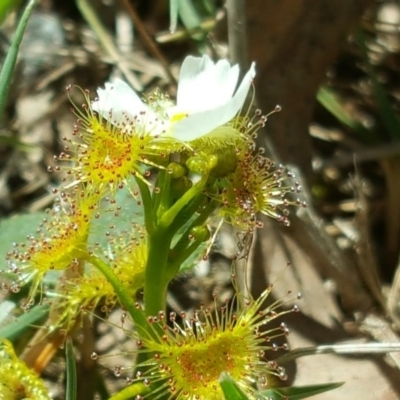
16	328
71	388
11	58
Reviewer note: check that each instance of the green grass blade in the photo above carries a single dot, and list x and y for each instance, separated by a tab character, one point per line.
71	388
6	6
190	17
16	328
9	62
188	13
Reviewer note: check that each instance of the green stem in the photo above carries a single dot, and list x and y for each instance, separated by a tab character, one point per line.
200	220
186	214
130	392
164	196
184	247
156	282
169	216
123	296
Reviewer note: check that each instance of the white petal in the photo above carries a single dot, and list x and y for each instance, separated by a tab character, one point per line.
204	85
196	125
118	102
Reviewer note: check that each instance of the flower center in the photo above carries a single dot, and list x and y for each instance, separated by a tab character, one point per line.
199	364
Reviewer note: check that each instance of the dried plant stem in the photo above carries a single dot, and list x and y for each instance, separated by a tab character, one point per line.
237	33
351	349
149	42
107	42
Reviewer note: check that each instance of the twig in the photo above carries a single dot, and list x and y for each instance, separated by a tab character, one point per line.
362	155
149	42
206	25
351	349
382	331
107	42
394	298
365	256
308	229
237	33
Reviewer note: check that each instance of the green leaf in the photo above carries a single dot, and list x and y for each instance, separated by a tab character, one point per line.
129	212
15	230
9	62
6	6
25	321
297	393
6	309
210	6
188	13
190	17
71	387
230	388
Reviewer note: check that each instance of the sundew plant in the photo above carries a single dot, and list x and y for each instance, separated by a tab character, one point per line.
179	168
147	184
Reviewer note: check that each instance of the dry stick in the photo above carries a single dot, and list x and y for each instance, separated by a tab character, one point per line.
237	40
351	349
180	34
366	259
362	155
237	37
149	42
86	365
107	42
308	229
382	331
394	298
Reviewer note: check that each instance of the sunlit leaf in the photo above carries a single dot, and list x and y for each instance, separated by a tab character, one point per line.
15	329
15	230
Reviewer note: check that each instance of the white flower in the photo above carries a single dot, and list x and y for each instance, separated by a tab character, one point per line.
206	98
120	105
